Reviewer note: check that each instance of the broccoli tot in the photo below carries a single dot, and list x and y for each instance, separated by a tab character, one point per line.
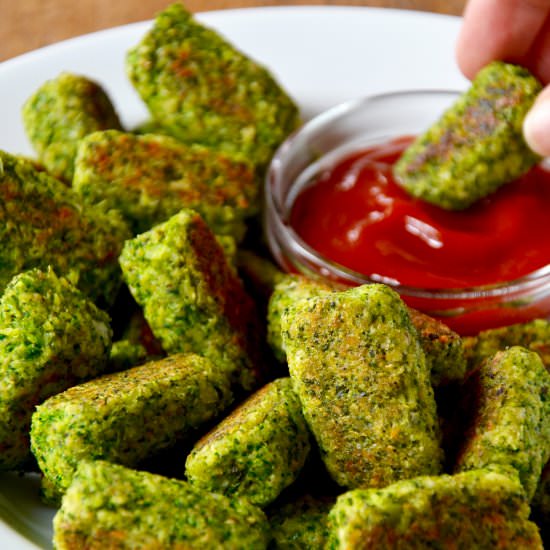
479	509
202	90
61	112
43	223
477	145
191	297
255	452
112	507
362	378
510	416
51	337
534	335
150	178
442	347
127	416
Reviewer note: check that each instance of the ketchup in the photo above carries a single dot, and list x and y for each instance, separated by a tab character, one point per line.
355	214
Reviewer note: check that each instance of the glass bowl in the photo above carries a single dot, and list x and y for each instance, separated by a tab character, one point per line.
351	127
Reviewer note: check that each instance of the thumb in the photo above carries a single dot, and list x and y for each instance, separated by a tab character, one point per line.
536	125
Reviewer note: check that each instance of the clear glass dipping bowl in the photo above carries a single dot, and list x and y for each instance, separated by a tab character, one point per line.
353	126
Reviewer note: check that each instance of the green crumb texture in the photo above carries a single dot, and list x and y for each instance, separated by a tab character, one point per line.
42	223
534	335
362	379
127	416
110	507
477	145
443	348
510	424
126	354
192	298
479	509
301	525
203	90
150	178
255	452
61	112
288	289
51	337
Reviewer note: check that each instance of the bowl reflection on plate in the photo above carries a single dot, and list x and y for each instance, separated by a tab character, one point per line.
351	127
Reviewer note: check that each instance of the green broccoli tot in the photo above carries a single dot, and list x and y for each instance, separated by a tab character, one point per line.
127	416
150	178
203	90
510	416
480	509
477	145
191	297
51	337
442	347
61	112
255	452
110	506
43	223
362	378
534	335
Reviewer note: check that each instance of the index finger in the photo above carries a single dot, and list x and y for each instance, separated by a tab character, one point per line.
498	29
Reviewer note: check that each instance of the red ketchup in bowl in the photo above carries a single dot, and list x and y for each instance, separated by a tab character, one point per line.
355	214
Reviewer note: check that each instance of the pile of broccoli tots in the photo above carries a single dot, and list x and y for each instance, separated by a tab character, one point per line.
176	390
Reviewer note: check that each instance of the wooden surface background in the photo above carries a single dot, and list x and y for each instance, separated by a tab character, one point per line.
29	24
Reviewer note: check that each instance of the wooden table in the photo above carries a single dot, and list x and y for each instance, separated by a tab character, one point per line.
29	24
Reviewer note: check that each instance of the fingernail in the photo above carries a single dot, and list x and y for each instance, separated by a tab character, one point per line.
536	127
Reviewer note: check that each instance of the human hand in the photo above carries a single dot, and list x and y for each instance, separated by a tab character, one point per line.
517	31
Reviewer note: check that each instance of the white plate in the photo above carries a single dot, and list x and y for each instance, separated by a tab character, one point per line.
321	55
